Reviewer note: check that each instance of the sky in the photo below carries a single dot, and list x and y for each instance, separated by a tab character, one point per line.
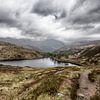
65	20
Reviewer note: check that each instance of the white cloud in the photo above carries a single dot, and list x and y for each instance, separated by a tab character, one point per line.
63	19
12	33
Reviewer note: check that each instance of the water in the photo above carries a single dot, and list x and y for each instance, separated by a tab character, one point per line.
44	62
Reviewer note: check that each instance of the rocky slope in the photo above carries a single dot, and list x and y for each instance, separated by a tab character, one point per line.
90	55
12	52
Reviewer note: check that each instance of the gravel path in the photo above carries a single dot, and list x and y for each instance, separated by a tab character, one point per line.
87	88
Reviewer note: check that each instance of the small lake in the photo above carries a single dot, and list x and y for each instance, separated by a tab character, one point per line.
44	62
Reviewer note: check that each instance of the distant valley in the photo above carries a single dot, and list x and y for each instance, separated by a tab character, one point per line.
51	45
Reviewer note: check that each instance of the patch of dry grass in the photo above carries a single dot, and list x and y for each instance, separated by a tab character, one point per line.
60	83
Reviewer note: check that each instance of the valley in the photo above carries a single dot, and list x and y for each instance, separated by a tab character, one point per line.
49	50
49	82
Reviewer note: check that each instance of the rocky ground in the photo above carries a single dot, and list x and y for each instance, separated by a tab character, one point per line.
60	83
89	56
13	52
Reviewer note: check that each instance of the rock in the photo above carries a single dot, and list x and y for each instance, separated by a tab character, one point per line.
60	94
80	97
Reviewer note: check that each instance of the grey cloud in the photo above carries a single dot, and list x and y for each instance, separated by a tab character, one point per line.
7	17
90	14
46	8
43	7
82	17
95	10
81	27
78	4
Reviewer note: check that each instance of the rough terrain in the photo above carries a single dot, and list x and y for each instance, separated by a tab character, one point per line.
60	83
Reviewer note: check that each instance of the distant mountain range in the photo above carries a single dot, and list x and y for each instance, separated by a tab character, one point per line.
48	45
51	45
77	46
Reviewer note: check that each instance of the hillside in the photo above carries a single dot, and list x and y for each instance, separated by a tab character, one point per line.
12	52
89	55
50	45
22	42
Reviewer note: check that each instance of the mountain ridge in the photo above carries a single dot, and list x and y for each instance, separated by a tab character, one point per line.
48	45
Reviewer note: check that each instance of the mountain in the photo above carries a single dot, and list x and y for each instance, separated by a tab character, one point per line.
78	46
51	45
48	45
12	52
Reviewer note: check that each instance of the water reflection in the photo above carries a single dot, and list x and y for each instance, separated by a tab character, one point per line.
44	62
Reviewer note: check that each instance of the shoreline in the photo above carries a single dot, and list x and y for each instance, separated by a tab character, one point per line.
67	61
20	59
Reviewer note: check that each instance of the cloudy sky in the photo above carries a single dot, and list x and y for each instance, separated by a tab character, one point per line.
64	20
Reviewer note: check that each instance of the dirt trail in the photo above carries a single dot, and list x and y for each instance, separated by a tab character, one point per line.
86	88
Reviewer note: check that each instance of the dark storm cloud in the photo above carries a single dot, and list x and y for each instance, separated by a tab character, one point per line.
93	17
95	10
90	14
7	17
43	8
46	8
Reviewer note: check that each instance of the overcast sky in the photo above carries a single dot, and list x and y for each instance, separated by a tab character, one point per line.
64	20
